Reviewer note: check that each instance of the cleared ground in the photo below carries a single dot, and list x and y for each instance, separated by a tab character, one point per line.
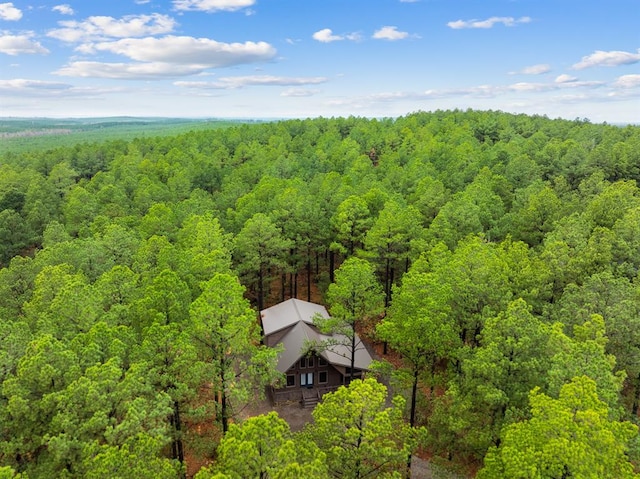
296	416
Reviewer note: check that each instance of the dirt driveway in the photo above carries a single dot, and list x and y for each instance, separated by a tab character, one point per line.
293	413
297	416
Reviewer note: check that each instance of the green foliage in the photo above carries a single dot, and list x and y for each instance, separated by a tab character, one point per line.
263	446
430	195
571	436
16	286
121	316
226	332
206	246
390	239
14	234
354	298
160	220
585	354
420	328
259	247
166	300
478	275
63	303
116	291
355	295
535	210
7	472
359	434
617	301
43	134
138	457
351	222
493	386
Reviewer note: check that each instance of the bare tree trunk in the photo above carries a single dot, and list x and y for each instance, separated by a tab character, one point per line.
309	277
261	289
224	407
177	446
332	265
387	284
353	350
388	281
283	291
636	400
412	414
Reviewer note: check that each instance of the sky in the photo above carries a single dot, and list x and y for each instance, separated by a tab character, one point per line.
309	58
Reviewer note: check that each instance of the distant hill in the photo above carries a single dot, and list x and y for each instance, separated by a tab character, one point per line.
24	134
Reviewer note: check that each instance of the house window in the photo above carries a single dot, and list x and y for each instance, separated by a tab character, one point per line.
310	362
303	363
291	380
322	377
322	362
306	380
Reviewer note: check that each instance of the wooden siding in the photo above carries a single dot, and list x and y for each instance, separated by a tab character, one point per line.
273	339
295	391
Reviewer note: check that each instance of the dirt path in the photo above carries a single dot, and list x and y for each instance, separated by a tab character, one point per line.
296	416
293	413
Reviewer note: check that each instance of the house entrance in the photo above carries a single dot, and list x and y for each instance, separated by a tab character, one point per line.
306	380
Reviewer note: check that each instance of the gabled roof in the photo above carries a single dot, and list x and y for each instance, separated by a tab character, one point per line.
298	316
293	343
288	313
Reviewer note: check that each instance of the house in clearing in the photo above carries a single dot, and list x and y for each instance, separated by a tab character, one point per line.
309	373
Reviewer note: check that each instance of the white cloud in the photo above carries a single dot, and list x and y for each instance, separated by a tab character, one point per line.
562	82
480	92
299	92
21	85
196	85
530	87
601	58
64	9
533	70
212	5
127	71
169	56
101	27
186	50
488	23
564	78
47	90
9	12
18	44
326	36
389	33
255	80
628	81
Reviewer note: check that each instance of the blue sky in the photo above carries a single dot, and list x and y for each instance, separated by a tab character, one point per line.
308	58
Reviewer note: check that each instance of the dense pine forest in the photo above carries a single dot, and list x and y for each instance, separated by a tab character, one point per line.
499	253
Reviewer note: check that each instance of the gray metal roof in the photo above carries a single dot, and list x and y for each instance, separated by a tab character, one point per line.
294	342
288	313
298	315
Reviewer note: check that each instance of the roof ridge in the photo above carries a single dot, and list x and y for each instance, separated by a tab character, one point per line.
295	305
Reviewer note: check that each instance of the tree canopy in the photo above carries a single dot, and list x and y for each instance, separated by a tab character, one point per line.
496	254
